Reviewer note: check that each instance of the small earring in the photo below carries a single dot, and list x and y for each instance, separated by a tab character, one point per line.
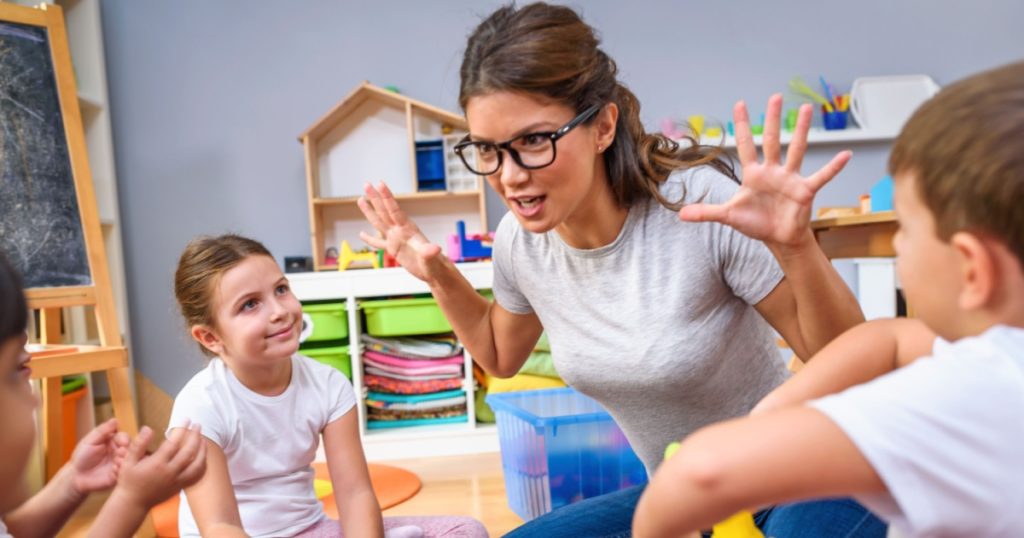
599	148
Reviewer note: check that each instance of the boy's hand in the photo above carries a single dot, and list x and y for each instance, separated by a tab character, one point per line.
97	458
773	204
178	463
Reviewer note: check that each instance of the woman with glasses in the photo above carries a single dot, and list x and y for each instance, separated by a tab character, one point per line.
656	274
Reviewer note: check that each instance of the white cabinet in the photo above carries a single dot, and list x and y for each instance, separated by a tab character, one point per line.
353	286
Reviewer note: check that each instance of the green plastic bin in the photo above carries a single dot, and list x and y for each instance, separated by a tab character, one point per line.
334	356
403	317
330	322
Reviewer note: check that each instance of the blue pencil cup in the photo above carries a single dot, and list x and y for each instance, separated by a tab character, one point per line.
834	121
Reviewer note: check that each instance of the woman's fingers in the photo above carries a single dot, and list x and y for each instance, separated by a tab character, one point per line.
394	213
374	198
829	171
704	212
770	143
798	145
373	241
745	148
370	213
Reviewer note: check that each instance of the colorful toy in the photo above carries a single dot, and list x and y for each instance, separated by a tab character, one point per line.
331	256
463	249
881	195
348	257
740	525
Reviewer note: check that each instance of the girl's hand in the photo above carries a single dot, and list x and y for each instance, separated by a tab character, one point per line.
774	202
402	238
97	458
179	462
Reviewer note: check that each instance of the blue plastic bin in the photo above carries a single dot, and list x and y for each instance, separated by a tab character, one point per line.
430	165
558	447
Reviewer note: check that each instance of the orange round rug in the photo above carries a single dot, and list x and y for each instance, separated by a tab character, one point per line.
391	484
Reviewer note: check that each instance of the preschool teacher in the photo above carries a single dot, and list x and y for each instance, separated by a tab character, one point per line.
656	274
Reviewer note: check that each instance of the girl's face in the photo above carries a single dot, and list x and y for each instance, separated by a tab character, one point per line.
545	198
256	318
17	423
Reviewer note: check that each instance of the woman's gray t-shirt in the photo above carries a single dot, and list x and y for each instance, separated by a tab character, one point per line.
658	325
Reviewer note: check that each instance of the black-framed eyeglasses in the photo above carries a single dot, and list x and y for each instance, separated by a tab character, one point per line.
530	151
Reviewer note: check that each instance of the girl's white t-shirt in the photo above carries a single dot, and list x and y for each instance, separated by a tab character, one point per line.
269	441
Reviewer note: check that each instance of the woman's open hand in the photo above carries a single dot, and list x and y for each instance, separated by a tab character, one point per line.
774	201
402	239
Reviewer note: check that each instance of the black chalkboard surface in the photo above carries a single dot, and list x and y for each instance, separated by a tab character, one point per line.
40	224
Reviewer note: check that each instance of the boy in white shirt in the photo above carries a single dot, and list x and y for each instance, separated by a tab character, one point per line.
933	446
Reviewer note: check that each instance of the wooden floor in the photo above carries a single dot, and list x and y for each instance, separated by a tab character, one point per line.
454	485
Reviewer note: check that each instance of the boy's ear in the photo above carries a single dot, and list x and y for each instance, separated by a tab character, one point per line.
978	270
207	338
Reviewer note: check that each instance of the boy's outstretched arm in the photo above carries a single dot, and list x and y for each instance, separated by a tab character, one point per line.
747	463
859	355
144	481
93	467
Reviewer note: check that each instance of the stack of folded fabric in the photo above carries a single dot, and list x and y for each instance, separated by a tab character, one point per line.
413	381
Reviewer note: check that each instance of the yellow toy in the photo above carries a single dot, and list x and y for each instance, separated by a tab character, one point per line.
740	525
348	257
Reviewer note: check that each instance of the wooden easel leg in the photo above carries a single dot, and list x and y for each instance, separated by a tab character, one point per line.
121	399
52	425
49	333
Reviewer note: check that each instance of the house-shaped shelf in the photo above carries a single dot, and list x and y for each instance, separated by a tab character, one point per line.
375	135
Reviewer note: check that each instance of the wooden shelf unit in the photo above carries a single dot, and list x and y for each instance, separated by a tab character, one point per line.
368	137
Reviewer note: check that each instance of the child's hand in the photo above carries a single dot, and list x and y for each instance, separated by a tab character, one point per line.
773	204
178	463
98	457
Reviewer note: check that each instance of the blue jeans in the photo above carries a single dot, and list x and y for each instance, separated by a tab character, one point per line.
611	516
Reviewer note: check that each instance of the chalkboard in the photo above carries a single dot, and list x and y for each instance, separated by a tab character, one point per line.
40	224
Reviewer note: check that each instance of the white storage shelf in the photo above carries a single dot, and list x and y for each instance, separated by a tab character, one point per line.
355	285
815	136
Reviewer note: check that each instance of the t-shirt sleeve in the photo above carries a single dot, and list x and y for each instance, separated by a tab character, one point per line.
506	289
340	396
747	266
195	405
941	436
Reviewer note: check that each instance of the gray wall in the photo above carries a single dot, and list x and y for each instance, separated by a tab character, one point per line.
207	99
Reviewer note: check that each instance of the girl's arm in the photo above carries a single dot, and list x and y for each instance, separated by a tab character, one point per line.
812	305
358	510
861	354
498	340
744	464
212	498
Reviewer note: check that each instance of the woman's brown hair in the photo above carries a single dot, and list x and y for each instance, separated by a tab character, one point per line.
548	50
200	268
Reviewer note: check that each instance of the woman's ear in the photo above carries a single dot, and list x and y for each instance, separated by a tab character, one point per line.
605	124
979	271
207	338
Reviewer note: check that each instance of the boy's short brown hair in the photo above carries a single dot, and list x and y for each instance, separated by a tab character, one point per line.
965	147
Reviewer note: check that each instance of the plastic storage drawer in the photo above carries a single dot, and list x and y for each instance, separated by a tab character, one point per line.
558	447
336	356
329	321
402	317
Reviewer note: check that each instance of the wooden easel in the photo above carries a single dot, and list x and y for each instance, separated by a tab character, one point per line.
110	355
